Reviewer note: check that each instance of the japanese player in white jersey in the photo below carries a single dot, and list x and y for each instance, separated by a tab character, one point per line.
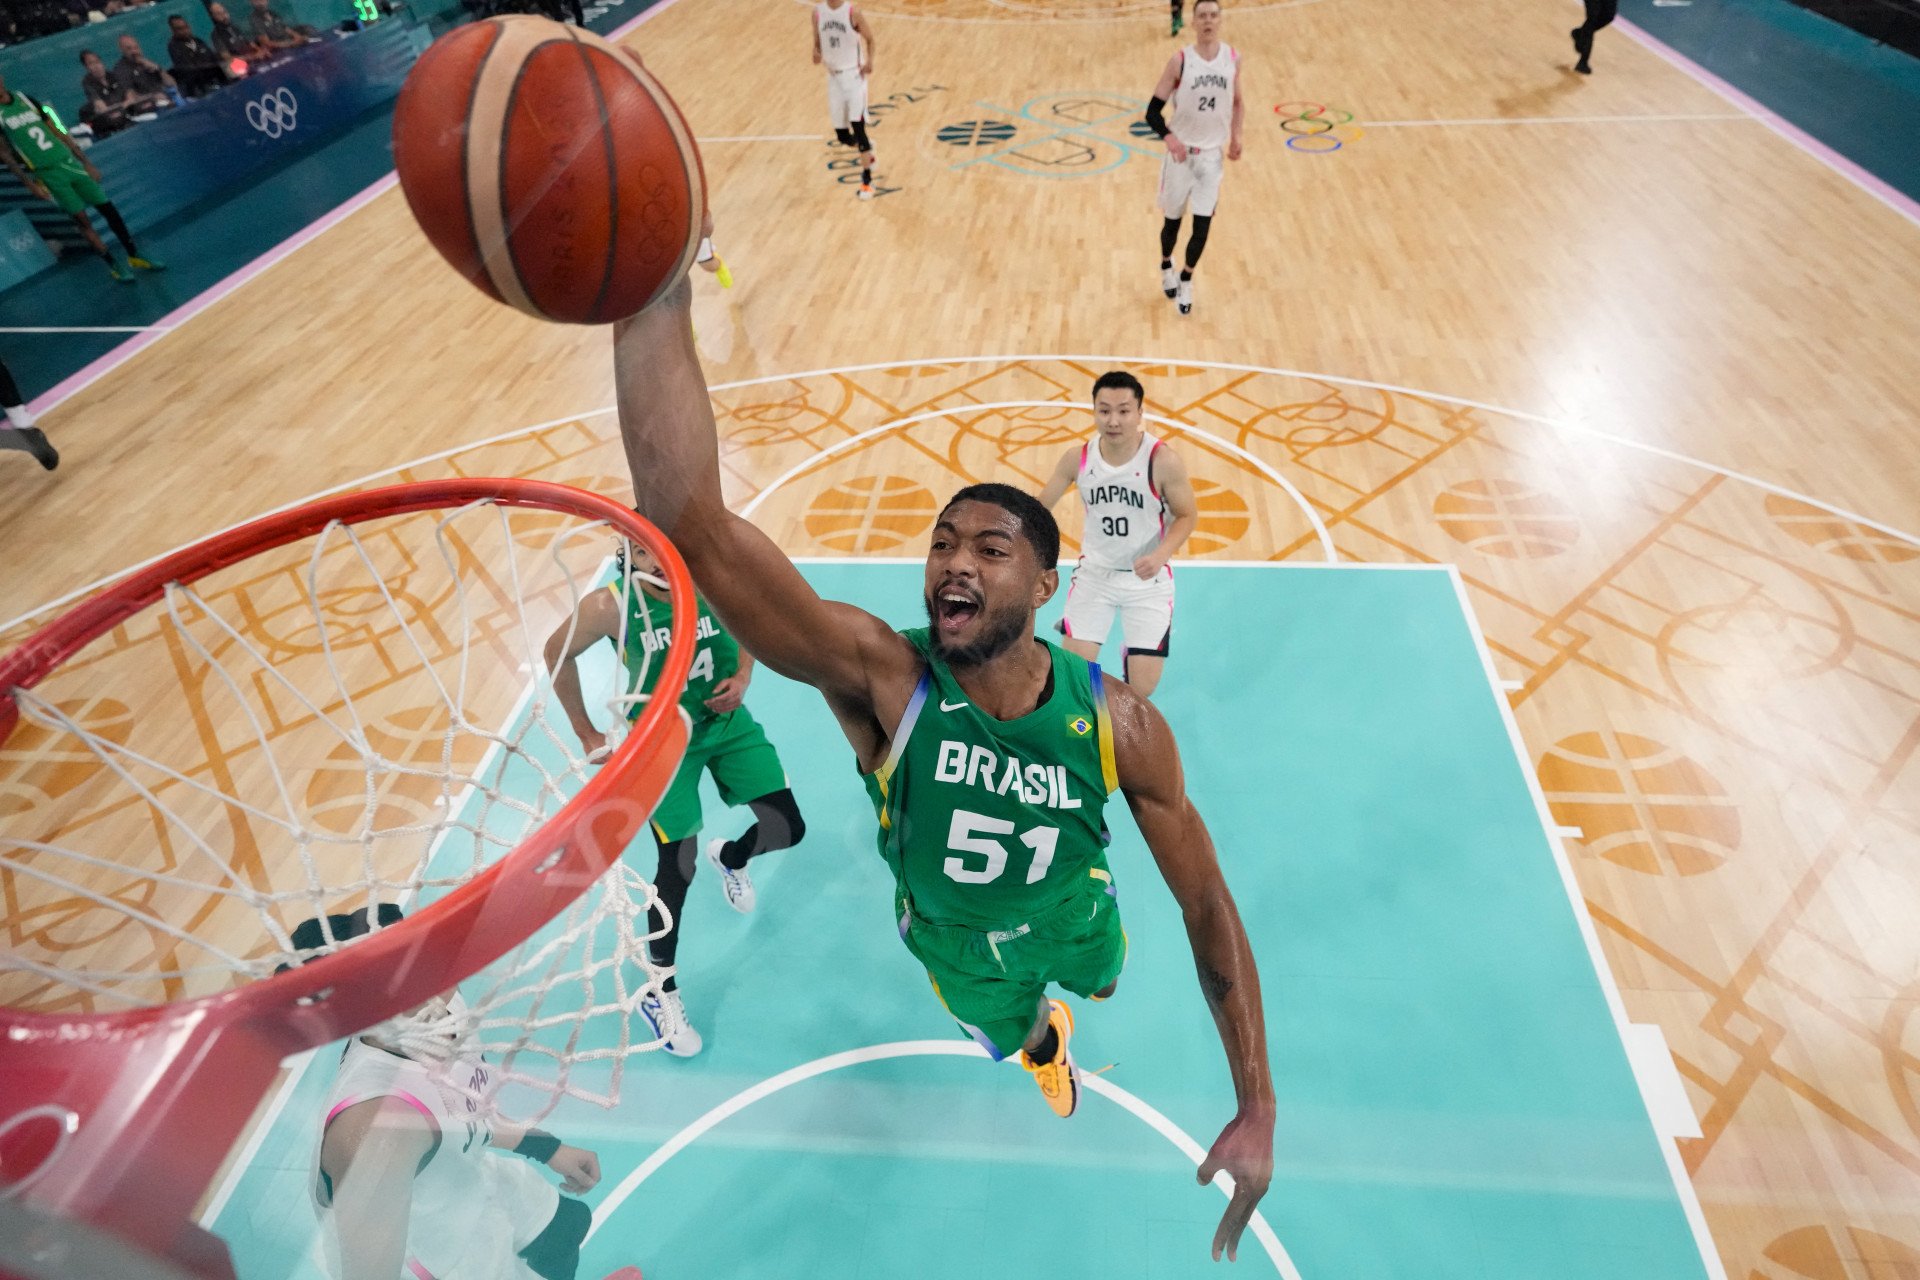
411	1173
1204	82
1140	509
843	43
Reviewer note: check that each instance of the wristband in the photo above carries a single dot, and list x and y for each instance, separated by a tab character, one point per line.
538	1145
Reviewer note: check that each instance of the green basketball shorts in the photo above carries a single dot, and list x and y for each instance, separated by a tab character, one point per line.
744	765
992	982
72	189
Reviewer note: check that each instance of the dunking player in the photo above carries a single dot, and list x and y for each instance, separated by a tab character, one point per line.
1204	83
843	42
633	614
410	1175
989	755
1129	483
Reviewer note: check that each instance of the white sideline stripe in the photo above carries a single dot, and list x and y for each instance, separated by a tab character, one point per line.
1638	119
1442	397
1660	1082
90	328
1649	1089
1151	1116
766	137
839	446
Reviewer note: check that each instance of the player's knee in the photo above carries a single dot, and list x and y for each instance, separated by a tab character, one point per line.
555	1252
1106	992
860	135
781	826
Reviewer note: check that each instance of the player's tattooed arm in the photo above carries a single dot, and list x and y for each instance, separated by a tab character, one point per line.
1151	779
1064	472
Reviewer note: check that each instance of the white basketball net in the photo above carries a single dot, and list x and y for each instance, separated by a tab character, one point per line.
338	724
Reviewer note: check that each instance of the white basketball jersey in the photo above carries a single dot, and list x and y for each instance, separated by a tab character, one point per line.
839	42
456	1227
1125	513
1203	100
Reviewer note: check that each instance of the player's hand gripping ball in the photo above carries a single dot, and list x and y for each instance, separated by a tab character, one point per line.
550	168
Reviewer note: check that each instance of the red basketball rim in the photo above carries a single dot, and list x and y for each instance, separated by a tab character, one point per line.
128	1115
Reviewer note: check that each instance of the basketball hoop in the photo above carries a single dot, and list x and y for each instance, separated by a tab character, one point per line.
119	1118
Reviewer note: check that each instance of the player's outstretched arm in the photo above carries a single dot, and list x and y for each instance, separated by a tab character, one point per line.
666	420
1156	791
1064	473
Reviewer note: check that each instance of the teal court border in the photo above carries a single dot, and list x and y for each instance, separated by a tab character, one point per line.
1563	1174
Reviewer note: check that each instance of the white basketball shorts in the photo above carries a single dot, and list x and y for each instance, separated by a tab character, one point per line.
1193	186
1145	607
846	97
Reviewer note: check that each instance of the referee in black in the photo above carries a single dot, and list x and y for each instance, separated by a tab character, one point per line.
1599	14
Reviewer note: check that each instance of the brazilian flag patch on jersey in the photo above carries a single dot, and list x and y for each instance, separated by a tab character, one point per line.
1080	725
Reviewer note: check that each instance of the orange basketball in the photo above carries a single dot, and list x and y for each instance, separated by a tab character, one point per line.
549	168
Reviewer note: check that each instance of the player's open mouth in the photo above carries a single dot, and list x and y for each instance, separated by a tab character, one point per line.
955	609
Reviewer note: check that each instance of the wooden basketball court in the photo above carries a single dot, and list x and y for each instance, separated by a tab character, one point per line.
1636	363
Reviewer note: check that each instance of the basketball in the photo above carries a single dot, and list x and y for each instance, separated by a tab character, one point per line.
549	168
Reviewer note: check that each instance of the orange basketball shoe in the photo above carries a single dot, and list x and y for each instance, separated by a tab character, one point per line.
1058	1080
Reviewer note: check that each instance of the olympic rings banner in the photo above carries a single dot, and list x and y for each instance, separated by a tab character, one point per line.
223	141
1316	129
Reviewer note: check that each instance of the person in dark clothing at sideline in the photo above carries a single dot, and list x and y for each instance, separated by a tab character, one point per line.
1599	14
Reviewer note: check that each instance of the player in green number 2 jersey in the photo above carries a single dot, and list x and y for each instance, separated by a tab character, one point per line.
989	754
635	614
43	157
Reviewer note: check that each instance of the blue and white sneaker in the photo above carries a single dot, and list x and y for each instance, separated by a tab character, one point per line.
737	885
667	1015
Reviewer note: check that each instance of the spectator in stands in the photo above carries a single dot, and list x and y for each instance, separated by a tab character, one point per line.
197	69
105	106
230	42
270	29
141	76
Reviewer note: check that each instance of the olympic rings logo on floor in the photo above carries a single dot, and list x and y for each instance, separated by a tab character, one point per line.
1316	128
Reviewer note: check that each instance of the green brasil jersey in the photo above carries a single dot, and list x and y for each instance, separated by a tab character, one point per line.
643	649
990	823
36	139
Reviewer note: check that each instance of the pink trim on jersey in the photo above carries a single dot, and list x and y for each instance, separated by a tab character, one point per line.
1153	488
420	1272
404	1096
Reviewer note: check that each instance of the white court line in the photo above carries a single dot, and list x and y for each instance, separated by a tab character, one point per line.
764	379
838	446
1642	119
766	137
90	328
1144	1111
1616	1006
